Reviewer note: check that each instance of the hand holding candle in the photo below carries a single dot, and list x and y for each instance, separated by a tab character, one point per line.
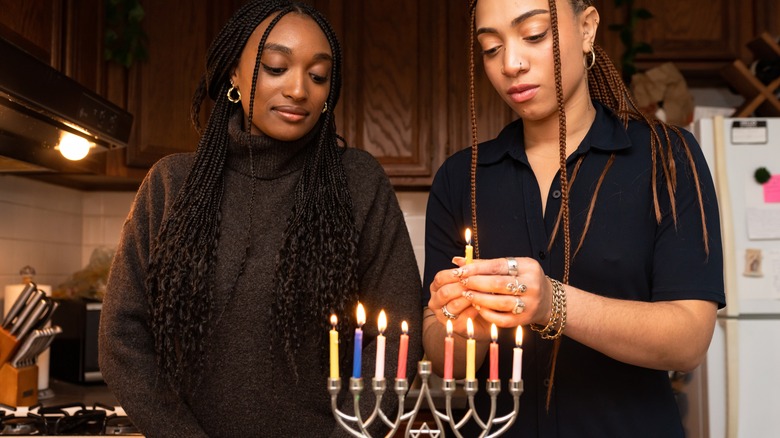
357	360
449	346
493	353
334	348
469	248
517	358
380	347
403	350
470	351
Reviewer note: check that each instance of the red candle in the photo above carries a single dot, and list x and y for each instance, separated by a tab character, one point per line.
493	353
448	351
403	349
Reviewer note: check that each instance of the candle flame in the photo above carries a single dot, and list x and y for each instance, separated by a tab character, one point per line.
404	327
334	320
468	236
382	324
493	332
361	314
470	328
519	336
449	328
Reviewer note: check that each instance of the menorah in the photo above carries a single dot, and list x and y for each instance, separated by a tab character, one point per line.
357	426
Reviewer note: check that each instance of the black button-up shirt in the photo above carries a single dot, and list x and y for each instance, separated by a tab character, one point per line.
626	254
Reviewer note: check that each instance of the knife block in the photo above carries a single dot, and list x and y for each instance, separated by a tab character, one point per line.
7	346
18	386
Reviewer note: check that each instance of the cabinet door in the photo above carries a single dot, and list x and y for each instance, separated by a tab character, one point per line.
393	101
35	25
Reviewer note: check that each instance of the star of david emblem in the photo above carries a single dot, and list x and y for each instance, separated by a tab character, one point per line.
424	430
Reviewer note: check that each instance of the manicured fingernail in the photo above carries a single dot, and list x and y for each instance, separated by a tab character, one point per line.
476	306
463	281
468	295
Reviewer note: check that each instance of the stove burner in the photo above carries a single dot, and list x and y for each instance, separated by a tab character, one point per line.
20	426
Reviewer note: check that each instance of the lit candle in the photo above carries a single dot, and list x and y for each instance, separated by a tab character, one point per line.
517	359
493	353
380	347
334	348
469	248
357	360
471	347
448	351
403	350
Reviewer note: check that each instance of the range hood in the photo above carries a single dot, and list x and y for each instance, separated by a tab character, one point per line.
39	104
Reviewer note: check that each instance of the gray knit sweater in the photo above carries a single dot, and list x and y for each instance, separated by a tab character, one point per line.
247	390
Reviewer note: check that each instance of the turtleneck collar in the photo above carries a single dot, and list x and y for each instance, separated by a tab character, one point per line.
272	158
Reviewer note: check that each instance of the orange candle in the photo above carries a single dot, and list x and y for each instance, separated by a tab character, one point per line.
403	350
469	248
493	353
449	346
471	348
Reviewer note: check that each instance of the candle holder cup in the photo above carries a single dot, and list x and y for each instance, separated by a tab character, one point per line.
356	426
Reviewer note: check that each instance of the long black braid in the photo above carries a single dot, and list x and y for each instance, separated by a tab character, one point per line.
316	268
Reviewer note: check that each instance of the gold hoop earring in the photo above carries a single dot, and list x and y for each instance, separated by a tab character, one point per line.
589	63
325	108
237	97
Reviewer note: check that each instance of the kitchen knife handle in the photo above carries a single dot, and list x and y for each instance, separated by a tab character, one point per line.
21	328
21	300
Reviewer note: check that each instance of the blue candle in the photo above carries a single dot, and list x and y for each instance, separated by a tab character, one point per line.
357	361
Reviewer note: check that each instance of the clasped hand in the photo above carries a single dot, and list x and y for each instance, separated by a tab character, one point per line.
505	291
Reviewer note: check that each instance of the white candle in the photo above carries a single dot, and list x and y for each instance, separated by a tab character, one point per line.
517	357
380	347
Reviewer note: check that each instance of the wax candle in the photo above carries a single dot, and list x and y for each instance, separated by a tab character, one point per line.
469	248
357	360
471	348
403	350
493	353
449	346
380	347
517	358
334	348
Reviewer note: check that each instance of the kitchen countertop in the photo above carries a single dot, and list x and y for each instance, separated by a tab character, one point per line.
88	394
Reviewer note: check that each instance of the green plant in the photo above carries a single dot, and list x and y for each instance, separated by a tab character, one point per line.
125	39
626	30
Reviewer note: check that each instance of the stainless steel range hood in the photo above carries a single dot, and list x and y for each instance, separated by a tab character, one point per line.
38	104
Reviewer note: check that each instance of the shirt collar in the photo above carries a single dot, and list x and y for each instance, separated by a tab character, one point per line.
606	134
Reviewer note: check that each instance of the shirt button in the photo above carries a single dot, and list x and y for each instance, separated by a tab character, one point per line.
556	194
546	383
542	255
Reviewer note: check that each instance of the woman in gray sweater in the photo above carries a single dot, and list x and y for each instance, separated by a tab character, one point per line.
234	257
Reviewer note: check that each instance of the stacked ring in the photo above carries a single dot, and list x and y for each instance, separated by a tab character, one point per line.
447	312
519	306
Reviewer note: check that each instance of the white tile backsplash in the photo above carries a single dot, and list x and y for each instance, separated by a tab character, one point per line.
56	229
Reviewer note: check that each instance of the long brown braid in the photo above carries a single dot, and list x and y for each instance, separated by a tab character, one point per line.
605	85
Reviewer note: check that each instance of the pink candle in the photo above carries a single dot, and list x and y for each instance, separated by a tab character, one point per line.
403	349
380	347
449	345
493	353
517	358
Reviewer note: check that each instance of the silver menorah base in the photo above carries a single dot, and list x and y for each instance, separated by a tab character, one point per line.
358	427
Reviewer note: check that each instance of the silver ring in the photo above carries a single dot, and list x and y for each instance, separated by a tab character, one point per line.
519	306
513	286
511	266
447	312
521	288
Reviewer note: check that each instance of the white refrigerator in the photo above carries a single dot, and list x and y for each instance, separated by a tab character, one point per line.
736	393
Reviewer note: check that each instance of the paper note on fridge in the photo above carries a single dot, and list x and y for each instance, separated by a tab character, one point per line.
763	223
772	190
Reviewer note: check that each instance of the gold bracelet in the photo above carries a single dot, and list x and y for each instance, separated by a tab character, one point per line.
557	322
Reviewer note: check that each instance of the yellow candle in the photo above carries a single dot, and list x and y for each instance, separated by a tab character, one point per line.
471	348
469	248
334	348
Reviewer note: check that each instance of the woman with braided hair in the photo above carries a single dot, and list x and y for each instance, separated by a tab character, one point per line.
594	227
234	257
